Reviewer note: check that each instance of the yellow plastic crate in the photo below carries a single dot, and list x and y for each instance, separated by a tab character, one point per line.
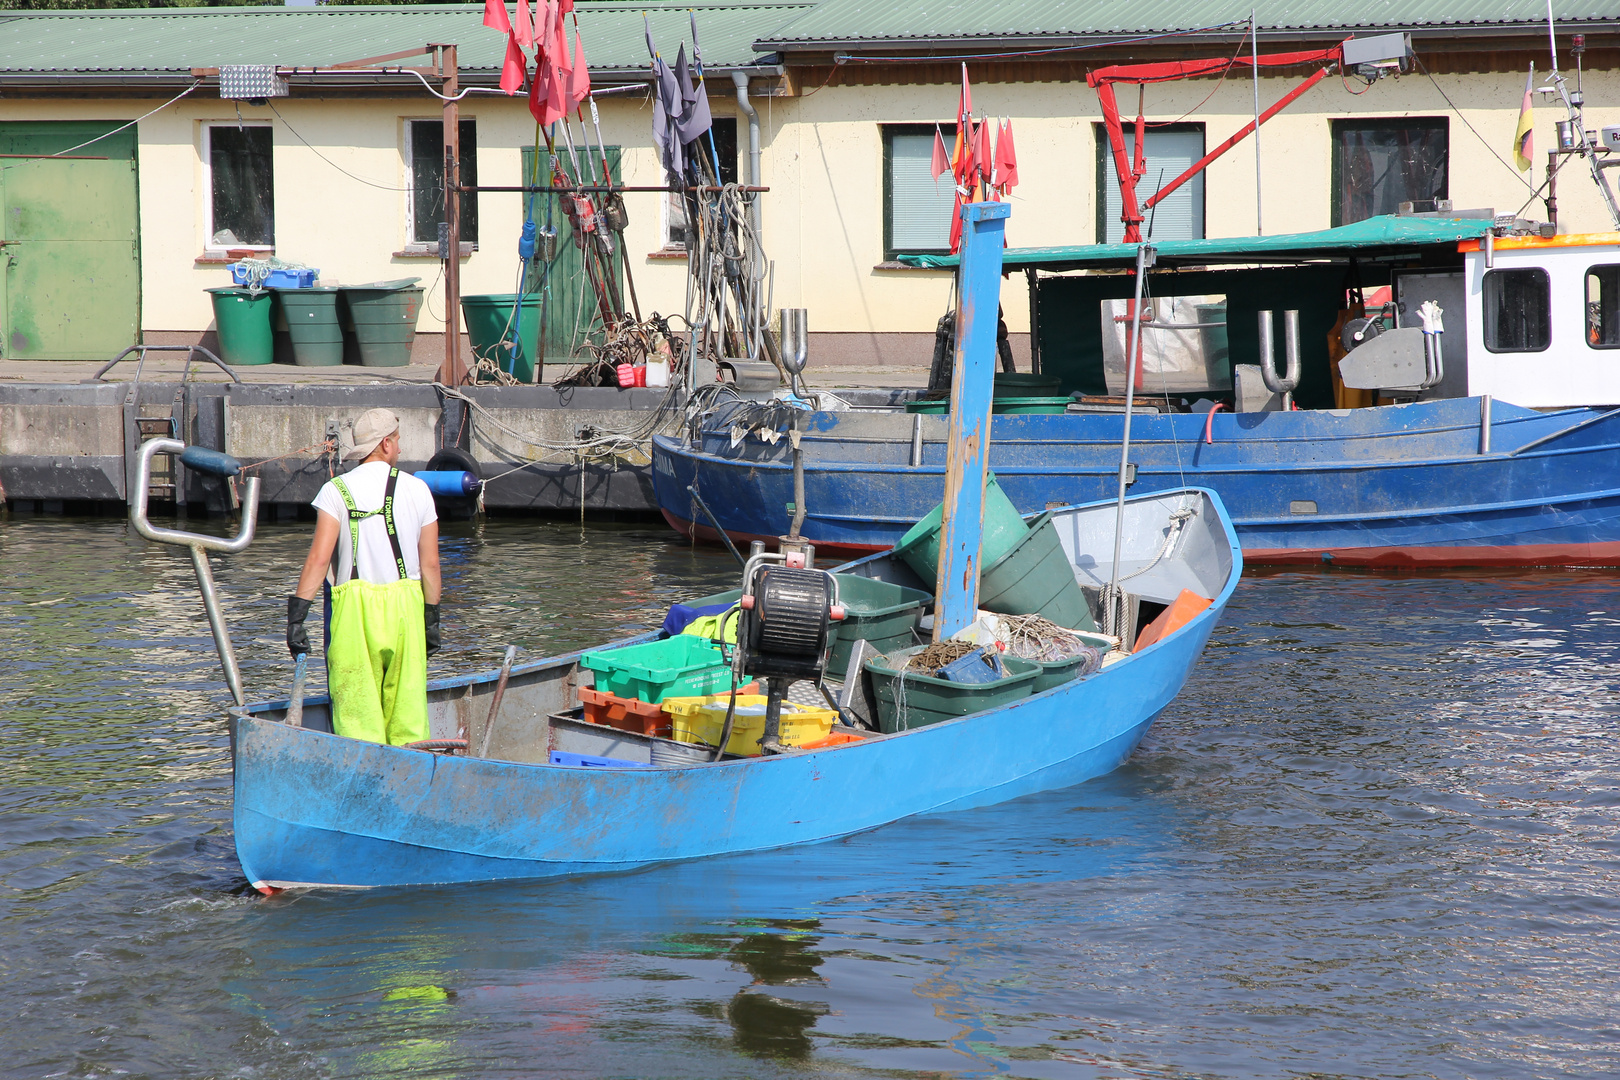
702	723
683	706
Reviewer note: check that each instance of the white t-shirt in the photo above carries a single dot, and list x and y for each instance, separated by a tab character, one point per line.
413	509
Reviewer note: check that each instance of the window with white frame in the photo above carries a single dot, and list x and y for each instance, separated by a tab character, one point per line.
724	148
239	161
1168	150
424	155
917	208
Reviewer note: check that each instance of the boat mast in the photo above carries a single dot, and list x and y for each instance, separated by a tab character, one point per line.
956	591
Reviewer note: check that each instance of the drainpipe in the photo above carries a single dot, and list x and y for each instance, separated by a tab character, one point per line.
740	79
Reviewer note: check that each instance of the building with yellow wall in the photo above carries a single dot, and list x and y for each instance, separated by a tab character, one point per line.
846	94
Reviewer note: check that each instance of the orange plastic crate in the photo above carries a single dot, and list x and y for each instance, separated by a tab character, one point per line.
626	714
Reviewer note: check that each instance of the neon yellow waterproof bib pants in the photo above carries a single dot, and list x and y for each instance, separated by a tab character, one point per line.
376	663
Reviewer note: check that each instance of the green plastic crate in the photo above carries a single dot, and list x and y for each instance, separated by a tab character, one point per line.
681	666
876	611
928	700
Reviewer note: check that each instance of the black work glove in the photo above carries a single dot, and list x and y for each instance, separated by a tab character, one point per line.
297	636
430	621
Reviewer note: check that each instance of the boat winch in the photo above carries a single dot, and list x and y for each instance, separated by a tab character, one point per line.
785	630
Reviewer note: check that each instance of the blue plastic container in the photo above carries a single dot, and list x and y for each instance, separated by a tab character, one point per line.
278	279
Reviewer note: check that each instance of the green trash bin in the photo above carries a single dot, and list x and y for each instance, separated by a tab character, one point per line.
382	317
1003	529
242	321
312	324
490	318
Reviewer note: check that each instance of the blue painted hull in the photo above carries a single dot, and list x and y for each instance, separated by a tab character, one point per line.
317	809
1392	486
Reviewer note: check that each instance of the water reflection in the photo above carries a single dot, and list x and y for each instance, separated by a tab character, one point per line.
1375	836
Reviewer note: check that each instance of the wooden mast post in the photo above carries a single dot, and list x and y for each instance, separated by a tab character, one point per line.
956	596
452	372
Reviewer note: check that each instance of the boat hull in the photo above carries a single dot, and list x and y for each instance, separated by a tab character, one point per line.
1409	488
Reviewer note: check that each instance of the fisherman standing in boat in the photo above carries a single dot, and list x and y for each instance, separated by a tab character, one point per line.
377	543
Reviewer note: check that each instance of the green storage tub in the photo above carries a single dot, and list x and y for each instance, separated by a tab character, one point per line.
1003	528
382	318
877	612
312	322
929	408
1028	406
928	700
1035	577
681	666
242	321
488	320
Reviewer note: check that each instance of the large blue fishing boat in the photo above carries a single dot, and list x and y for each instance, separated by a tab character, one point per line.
1461	423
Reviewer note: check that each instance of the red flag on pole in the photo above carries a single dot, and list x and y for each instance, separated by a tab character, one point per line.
579	76
514	67
523	30
942	158
495	16
1006	158
962	158
540	91
986	162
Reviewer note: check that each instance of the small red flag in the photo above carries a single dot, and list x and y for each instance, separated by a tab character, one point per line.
1006	158
579	76
981	151
523	31
942	158
495	16
956	225
514	67
539	91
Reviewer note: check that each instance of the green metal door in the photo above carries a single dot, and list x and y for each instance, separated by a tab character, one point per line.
70	274
571	316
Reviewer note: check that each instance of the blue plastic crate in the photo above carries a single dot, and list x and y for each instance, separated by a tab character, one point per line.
586	761
278	279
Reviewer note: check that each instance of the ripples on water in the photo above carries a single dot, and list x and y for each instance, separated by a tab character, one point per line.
1376	836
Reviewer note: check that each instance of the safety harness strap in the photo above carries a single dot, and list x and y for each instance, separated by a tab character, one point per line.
356	516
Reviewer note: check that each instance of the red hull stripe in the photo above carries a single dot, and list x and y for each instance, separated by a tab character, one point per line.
1607	554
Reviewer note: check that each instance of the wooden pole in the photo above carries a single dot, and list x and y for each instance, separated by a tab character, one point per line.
956	595
452	372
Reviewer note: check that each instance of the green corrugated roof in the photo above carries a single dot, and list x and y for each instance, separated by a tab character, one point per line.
909	24
1375	236
172	41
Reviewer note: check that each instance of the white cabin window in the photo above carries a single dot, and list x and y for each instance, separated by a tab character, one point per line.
1518	310
917	208
1167	151
1603	307
238	158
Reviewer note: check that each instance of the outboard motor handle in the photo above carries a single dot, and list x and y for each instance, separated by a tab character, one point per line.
200	544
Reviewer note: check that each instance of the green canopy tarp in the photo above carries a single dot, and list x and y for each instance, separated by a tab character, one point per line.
1379	235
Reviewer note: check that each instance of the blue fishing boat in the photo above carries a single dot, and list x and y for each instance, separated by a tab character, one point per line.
1387	441
315	809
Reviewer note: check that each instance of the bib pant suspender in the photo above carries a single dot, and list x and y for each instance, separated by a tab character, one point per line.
356	516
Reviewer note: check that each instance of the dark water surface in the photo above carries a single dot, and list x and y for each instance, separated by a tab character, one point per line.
1375	837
